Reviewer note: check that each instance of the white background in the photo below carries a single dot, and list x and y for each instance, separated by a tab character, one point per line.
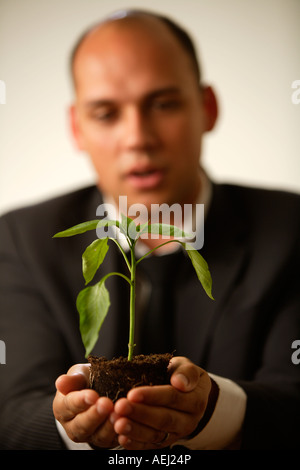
249	51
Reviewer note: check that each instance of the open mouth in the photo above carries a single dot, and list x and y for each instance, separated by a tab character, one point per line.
145	179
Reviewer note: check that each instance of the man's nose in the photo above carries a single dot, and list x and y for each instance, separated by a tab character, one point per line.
138	130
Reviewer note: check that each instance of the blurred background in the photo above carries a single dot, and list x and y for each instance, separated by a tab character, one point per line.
249	50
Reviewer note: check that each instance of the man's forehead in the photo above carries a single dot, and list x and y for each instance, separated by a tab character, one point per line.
141	40
151	28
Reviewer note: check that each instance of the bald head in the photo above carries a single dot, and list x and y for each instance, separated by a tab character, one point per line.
153	24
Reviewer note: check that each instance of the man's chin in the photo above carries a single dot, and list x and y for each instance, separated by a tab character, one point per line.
146	207
150	200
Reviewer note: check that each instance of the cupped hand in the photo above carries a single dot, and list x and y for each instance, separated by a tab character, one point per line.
83	414
158	416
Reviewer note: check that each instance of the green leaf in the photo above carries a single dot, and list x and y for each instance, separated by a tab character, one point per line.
125	222
85	226
106	223
201	268
93	257
92	304
77	229
164	229
125	226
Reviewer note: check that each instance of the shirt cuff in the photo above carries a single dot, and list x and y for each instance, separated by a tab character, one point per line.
224	428
71	445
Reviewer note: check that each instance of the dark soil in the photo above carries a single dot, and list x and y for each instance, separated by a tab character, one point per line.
114	378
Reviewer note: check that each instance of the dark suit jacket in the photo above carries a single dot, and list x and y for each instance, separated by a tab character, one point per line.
252	248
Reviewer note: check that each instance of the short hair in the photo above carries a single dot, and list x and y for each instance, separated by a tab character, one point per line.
178	32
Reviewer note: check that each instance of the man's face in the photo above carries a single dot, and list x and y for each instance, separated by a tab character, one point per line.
139	113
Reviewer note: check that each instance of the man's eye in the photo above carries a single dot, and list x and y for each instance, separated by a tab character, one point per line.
166	105
105	116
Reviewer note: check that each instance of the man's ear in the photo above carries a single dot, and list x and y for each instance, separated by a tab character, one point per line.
75	127
210	107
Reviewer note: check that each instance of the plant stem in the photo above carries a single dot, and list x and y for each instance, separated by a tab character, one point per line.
156	248
131	344
122	251
116	274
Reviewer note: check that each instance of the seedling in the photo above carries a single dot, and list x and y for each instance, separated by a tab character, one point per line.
93	301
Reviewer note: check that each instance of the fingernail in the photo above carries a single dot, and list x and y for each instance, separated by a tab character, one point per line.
88	400
183	379
127	429
113	418
136	395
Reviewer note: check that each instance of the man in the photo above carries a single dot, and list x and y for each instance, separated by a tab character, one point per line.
140	113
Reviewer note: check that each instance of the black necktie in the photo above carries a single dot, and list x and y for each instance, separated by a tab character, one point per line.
156	322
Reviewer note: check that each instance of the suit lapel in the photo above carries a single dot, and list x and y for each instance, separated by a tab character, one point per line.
225	253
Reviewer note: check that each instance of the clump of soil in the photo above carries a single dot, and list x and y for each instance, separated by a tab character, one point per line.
114	378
